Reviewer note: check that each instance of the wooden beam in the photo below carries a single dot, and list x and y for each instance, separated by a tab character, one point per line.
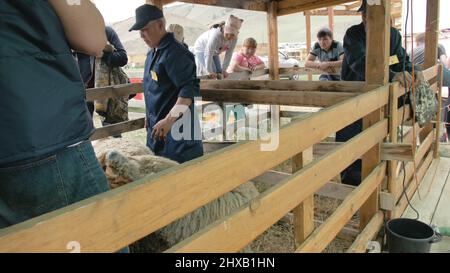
292	98
354	87
286	7
331	18
371	230
158	3
308	39
393	137
431	33
109	222
377	72
234	4
397	152
410	170
437	141
119	128
336	13
272	22
236	231
122	90
322	236
412	187
303	213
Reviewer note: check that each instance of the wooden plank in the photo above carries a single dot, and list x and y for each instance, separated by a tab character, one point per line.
234	232
393	136
108	222
331	18
397	152
322	236
411	189
122	90
377	72
308	39
437	140
119	128
431	33
292	98
356	87
241	4
272	21
430	191
303	213
431	72
419	156
442	215
372	229
404	114
286	7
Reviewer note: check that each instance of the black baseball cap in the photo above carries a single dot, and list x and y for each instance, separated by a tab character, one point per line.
363	7
145	14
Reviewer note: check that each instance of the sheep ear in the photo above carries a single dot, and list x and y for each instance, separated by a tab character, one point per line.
242	20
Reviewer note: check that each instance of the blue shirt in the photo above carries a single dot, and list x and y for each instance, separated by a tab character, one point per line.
170	73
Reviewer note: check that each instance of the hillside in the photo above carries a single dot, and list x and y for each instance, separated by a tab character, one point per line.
196	19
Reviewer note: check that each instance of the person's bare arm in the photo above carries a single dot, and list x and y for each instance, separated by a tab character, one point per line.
83	25
235	67
310	62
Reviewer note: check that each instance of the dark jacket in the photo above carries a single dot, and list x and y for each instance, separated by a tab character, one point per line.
170	73
354	64
42	102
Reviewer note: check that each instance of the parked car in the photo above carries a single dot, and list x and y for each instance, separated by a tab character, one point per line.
284	62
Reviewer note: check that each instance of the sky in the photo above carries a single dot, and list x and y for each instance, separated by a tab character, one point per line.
419	14
119	10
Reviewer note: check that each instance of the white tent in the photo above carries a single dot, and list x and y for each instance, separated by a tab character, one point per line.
419	13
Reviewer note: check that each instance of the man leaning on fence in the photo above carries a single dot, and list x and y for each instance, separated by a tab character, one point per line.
354	69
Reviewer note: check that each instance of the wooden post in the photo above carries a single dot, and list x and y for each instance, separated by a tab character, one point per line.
304	213
158	3
331	18
274	64
438	117
377	72
393	121
431	45
308	39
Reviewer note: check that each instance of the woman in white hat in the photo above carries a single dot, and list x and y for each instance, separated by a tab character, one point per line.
220	38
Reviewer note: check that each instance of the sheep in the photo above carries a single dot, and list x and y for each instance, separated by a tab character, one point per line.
124	164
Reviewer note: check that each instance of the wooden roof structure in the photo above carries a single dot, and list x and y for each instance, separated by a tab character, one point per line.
112	220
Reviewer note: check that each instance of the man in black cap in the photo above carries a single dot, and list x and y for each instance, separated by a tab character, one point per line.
170	85
354	69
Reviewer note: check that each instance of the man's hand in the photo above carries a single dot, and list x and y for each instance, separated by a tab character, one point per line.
162	128
109	48
405	79
212	76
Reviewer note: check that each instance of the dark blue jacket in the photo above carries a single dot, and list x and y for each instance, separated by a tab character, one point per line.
42	104
354	64
118	58
170	73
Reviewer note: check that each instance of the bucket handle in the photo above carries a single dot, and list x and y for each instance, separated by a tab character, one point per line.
437	237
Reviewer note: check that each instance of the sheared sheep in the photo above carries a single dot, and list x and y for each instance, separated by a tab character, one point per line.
125	161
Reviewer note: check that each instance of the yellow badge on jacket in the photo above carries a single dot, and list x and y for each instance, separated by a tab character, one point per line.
154	76
393	60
